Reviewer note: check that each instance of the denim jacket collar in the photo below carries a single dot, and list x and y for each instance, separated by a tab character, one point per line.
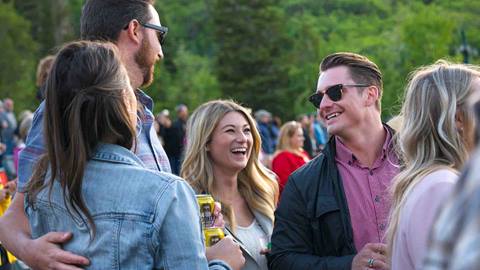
116	154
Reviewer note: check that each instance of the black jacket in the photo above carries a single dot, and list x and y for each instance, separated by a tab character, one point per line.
312	223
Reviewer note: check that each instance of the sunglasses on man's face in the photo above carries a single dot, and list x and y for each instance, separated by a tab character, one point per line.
161	31
333	92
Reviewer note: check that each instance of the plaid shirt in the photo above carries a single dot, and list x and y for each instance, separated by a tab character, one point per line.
455	237
148	149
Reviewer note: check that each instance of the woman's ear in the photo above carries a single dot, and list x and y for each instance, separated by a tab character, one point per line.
459	121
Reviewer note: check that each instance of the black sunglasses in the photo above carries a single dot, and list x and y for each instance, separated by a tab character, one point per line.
161	31
334	92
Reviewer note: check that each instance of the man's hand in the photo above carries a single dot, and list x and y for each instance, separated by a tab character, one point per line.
372	256
228	251
11	186
45	253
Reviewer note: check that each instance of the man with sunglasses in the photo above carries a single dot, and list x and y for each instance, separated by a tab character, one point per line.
134	26
333	211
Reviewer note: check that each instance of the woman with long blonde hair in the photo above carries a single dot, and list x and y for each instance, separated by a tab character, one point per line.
434	142
221	159
289	155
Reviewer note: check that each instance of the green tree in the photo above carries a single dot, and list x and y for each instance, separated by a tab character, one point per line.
51	21
17	66
193	84
251	42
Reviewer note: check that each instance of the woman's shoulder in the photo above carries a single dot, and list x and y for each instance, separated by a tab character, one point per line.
436	184
286	154
283	154
441	176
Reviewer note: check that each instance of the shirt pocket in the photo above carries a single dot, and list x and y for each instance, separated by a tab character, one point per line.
326	225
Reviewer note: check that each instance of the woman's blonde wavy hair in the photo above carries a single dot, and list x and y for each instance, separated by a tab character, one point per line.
255	183
429	139
286	133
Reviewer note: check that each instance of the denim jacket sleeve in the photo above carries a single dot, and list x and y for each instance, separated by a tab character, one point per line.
293	246
177	235
34	148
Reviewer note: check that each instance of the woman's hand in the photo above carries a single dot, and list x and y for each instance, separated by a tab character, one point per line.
217	213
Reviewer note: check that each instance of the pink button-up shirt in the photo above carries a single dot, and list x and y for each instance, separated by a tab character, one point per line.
366	190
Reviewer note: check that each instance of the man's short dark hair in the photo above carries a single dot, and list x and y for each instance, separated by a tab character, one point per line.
104	19
362	70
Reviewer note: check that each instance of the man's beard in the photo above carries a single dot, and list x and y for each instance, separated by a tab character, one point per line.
145	60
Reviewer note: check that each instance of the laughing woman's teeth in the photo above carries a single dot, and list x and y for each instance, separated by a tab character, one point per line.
239	151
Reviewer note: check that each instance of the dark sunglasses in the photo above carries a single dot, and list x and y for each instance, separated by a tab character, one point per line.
161	31
334	92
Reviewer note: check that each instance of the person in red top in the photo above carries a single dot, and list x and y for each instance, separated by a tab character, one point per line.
289	155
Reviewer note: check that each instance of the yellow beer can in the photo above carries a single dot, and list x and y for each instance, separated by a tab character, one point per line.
206	205
213	235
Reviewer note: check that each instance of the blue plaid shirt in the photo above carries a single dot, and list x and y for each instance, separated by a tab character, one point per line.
148	149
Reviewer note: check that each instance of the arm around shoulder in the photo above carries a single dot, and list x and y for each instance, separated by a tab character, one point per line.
40	253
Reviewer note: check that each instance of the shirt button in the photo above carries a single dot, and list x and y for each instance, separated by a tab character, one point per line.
350	162
371	172
377	198
382	227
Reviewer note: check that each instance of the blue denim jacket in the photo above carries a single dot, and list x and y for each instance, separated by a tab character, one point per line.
144	219
149	148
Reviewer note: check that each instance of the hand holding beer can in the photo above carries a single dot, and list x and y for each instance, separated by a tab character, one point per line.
206	205
213	235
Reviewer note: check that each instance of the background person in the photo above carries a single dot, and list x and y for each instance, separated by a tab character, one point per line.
175	138
320	134
9	122
289	155
222	160
25	119
162	123
267	134
304	121
43	69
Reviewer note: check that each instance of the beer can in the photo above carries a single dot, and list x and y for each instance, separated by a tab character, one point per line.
213	235
206	205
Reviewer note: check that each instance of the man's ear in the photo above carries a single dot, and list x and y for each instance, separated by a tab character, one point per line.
133	32
372	95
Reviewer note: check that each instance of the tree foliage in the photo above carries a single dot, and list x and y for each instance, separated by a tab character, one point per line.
18	55
264	53
251	42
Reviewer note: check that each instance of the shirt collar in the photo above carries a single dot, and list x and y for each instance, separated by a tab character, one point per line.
117	154
343	153
144	99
